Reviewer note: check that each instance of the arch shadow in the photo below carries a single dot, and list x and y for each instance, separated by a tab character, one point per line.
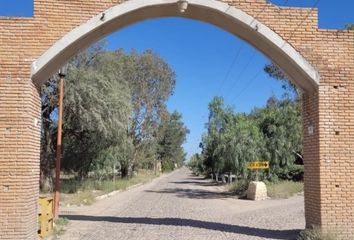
182	222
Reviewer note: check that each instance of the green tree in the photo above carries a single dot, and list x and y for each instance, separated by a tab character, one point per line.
210	141
280	123
113	105
272	133
152	82
275	72
196	164
241	142
171	136
349	26
97	109
49	100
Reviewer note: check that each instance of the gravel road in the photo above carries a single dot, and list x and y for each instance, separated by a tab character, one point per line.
182	206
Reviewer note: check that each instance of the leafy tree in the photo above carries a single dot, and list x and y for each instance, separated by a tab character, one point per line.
97	108
49	100
113	105
152	82
280	123
273	133
241	143
196	164
216	123
171	135
275	72
349	26
112	158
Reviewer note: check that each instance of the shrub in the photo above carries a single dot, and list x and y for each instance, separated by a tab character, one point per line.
292	173
167	166
239	187
316	234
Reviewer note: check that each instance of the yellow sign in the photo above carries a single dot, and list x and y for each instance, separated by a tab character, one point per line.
258	165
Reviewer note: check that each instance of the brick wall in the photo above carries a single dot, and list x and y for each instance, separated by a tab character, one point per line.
19	159
328	152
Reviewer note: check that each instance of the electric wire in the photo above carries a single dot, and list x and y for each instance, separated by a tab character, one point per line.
236	56
252	79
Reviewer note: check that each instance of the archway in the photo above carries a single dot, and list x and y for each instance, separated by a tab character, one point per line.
303	51
218	13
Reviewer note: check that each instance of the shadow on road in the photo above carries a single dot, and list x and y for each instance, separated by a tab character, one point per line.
197	193
193	193
244	230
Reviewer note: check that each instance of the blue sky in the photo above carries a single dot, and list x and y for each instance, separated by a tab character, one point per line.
203	58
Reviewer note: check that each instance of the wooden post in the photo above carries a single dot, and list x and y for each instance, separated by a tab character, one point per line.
59	145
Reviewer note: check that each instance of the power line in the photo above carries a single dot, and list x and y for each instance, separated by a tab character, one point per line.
247	86
241	72
251	58
231	67
250	82
237	54
302	21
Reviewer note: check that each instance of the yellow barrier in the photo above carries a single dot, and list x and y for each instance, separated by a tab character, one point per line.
45	216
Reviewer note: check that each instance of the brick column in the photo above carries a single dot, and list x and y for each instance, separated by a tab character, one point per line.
336	106
311	159
19	159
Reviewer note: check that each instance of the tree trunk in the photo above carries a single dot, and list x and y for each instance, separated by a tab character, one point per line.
46	161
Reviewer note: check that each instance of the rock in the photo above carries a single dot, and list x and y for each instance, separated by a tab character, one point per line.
257	191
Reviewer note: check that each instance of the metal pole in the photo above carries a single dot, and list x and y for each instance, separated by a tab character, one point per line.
59	141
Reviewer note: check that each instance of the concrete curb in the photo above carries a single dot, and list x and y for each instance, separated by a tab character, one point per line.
118	191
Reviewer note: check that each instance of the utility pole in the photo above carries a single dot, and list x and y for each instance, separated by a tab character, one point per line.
62	74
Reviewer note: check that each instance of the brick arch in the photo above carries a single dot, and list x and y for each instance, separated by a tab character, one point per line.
308	52
221	14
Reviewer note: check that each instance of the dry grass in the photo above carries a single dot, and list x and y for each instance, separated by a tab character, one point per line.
75	192
284	189
59	227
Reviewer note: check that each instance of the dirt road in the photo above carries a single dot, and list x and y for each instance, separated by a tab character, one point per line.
182	206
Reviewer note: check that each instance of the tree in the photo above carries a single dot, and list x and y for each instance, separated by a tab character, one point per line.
49	100
349	26
210	142
280	123
152	82
272	133
275	72
171	135
196	164
113	105
97	109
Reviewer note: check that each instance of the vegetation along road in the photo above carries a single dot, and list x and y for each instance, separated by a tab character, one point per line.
182	206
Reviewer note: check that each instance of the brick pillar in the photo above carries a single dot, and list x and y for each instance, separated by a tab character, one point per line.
329	156
19	159
336	106
311	159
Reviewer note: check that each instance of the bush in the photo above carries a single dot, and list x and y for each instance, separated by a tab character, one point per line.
59	227
292	173
84	192
239	187
316	234
167	166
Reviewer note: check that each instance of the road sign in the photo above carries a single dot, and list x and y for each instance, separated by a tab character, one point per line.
258	165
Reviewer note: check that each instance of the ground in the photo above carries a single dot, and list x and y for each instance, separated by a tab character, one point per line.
184	207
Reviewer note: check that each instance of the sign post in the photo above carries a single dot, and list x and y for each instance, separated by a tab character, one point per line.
258	165
257	190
